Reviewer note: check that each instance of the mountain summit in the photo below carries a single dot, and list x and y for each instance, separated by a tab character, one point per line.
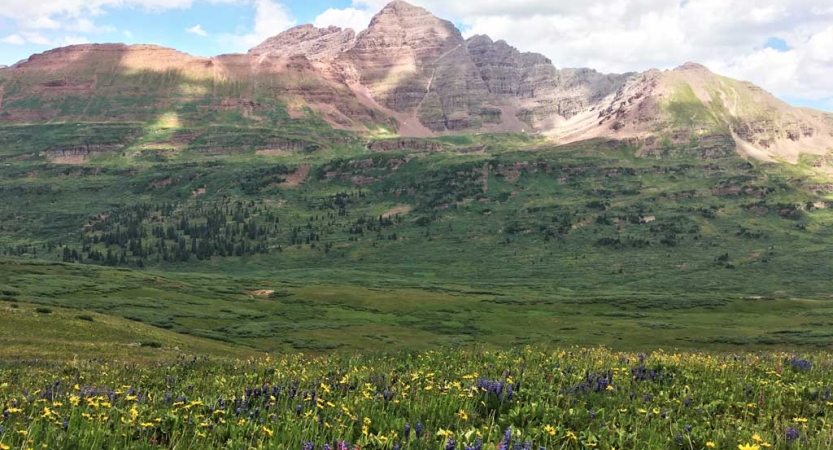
415	72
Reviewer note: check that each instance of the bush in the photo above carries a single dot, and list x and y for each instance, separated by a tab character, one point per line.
85	317
151	344
43	311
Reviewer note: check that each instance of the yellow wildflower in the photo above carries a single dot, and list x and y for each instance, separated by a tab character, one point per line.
267	432
550	430
711	444
749	447
462	414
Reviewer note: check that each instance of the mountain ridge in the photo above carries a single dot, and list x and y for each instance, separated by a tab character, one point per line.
416	73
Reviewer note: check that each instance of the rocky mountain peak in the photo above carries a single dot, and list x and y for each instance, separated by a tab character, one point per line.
692	67
404	20
309	41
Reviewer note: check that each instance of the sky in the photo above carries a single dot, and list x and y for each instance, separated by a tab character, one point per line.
784	46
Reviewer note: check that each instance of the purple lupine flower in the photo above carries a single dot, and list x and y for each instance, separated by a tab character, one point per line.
451	445
800	364
418	430
407	431
507	438
792	434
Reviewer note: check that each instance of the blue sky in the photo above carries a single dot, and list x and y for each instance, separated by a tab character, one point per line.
783	46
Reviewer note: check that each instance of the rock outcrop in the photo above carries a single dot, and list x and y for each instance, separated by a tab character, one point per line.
414	62
308	41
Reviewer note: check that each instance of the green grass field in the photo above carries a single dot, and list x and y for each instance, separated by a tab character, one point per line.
496	240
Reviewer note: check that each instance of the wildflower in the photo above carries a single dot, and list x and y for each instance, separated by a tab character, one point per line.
757	438
792	434
571	435
749	447
550	430
711	444
407	431
418	430
462	415
451	445
799	420
267	431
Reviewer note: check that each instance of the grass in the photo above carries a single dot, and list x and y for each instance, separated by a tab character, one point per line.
576	399
54	334
587	244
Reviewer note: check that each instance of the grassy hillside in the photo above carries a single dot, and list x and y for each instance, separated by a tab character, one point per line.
30	333
414	243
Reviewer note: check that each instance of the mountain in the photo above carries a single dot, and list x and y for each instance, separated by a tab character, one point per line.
414	73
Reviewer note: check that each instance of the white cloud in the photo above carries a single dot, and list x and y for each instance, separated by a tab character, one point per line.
36	38
87	26
74	40
127	33
40	22
14	39
197	29
271	18
357	19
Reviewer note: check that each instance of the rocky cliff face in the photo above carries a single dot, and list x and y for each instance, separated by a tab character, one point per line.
546	93
413	62
308	41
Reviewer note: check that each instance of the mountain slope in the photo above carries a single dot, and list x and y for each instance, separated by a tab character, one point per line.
412	72
690	103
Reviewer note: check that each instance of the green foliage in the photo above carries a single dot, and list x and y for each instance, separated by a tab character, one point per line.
577	399
422	248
